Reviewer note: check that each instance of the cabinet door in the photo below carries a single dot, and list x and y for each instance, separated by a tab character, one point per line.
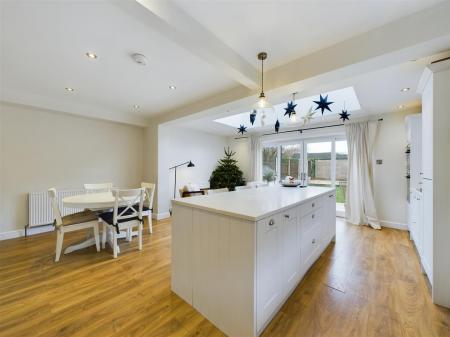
427	218
291	249
427	130
419	224
269	267
330	217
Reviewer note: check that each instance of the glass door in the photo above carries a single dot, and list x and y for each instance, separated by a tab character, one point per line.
291	160
319	163
341	170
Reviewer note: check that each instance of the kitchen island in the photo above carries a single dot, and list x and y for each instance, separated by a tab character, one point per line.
237	256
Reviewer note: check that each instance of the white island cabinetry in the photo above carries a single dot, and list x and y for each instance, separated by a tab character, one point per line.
237	256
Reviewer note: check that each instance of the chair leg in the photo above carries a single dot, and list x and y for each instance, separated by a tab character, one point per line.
150	224
59	243
129	234
96	237
104	232
140	235
114	244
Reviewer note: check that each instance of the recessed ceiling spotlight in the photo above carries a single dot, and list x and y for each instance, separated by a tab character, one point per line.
91	55
405	89
139	59
172	87
135	106
401	106
69	89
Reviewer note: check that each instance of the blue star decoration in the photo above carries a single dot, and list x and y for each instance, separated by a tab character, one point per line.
323	104
290	109
242	129
253	117
277	126
344	115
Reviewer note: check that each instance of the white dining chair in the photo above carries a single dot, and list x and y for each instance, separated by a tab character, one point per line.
124	217
245	187
73	222
147	209
217	190
98	188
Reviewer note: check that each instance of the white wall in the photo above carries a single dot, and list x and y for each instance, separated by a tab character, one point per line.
389	178
177	145
41	149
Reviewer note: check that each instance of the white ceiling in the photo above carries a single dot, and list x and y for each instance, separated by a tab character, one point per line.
290	29
43	47
379	92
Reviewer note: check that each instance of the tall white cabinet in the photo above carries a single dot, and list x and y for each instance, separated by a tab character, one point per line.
435	183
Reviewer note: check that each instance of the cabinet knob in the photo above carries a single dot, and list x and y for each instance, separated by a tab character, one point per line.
313	216
271	222
313	241
313	204
287	216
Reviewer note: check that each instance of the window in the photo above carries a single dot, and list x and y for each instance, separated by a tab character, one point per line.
341	170
325	160
290	161
319	163
270	163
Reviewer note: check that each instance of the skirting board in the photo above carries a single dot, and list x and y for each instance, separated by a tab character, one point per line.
21	232
160	216
395	225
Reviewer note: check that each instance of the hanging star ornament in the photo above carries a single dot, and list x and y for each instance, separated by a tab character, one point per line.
242	129
323	104
344	115
253	117
290	109
309	115
277	126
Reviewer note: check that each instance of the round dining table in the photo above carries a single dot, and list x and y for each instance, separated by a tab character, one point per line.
95	202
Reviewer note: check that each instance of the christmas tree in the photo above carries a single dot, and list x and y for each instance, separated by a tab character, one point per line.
227	173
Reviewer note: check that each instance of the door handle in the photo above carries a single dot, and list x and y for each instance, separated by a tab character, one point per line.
271	222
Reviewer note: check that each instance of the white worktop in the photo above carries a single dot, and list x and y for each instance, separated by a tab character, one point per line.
254	204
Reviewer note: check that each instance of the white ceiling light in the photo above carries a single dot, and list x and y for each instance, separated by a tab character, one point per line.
405	89
172	87
91	55
69	89
263	105
139	59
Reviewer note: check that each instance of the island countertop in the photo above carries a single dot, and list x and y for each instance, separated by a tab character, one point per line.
253	204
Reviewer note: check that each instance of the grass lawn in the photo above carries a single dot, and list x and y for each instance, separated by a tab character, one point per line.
340	197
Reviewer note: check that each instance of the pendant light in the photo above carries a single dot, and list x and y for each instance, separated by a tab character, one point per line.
263	105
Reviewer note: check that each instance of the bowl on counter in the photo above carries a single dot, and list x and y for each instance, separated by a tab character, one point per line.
290	183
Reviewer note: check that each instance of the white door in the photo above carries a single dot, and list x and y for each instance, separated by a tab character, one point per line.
269	267
427	216
291	249
427	130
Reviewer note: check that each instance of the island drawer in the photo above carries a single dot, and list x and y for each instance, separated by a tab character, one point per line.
310	205
310	220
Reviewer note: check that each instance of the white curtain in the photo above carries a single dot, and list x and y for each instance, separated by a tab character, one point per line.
360	205
256	158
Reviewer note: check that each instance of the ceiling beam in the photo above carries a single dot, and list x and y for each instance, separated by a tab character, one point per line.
173	23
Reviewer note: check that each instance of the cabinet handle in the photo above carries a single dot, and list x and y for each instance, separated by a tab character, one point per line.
331	196
313	216
271	222
287	216
313	241
313	204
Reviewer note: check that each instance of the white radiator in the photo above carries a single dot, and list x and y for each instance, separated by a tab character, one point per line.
40	210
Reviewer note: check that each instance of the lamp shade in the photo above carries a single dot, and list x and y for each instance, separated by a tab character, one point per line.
191	164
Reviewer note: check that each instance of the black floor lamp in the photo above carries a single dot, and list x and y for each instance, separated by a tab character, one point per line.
189	164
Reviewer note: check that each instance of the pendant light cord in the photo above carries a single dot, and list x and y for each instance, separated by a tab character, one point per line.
262	76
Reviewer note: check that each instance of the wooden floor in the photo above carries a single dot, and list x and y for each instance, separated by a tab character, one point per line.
367	284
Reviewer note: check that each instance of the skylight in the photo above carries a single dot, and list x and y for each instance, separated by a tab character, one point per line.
340	97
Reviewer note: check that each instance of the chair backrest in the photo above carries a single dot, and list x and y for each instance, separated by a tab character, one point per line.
149	194
128	204
55	207
98	188
245	187
217	190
